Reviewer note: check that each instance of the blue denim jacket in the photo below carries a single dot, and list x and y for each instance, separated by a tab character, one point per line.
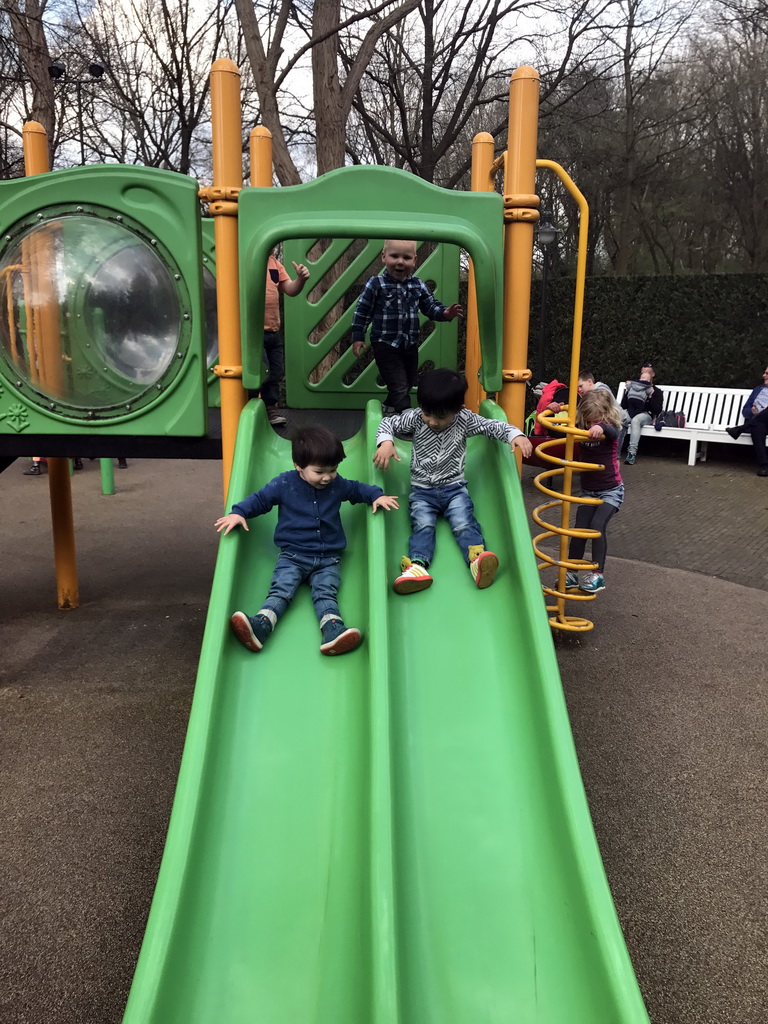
308	518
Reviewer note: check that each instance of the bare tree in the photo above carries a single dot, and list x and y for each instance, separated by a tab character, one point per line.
153	107
31	59
319	26
732	70
443	75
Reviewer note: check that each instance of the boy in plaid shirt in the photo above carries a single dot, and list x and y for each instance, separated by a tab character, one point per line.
390	304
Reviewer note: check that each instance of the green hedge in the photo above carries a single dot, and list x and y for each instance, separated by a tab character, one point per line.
707	330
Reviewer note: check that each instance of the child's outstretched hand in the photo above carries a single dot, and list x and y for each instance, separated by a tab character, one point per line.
383	454
523	443
301	270
453	311
595	431
227	523
387	501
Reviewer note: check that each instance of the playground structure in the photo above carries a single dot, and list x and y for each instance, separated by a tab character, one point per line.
418	847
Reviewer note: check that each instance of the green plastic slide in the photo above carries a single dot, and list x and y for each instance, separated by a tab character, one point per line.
396	836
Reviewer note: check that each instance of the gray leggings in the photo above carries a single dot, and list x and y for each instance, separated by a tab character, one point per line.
592	517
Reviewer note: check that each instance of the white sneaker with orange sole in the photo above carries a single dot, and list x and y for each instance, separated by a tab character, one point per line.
412	577
483	568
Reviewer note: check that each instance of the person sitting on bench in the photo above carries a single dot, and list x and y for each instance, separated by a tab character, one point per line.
755	413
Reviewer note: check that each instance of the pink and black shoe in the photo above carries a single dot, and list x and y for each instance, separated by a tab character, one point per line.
251	632
338	639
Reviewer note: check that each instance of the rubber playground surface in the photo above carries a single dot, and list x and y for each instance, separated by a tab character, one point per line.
667	701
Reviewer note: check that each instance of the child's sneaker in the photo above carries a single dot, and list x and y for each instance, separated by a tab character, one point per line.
592	582
412	577
337	639
571	580
483	566
251	633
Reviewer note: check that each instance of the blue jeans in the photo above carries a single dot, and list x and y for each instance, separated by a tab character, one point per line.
425	504
322	573
635	426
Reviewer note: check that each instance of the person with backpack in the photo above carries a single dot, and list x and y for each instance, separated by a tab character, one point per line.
643	401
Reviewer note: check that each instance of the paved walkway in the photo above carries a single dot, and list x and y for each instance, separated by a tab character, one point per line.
667	697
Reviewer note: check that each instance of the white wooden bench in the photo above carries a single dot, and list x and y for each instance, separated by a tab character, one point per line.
708	411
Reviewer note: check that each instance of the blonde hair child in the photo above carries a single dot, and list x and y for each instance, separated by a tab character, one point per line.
598	414
597	407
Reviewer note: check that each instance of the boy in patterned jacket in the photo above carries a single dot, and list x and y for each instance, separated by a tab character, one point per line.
440	428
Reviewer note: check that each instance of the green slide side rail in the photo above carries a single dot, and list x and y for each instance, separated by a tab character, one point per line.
396	836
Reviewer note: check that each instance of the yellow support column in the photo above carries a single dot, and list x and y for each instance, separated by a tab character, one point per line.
62	520
482	181
261	156
520	215
226	123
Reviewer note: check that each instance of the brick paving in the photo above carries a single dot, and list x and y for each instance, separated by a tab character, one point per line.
706	518
666	696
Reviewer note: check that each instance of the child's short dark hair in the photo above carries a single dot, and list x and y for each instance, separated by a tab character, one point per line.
316	446
441	391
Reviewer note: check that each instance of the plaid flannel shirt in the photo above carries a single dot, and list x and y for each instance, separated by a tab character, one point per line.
392	310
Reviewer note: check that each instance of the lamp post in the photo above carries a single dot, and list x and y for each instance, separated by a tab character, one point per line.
57	71
545	236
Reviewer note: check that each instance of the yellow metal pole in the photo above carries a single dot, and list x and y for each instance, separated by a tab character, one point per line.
226	123
520	214
482	181
62	520
261	156
581	268
573	380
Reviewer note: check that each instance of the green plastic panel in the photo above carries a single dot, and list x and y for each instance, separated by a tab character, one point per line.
374	203
396	836
340	386
101	304
209	300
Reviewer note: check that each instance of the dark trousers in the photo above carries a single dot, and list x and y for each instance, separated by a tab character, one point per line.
399	369
274	358
758	427
592	517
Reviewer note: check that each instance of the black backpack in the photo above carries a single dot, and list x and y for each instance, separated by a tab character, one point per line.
669	419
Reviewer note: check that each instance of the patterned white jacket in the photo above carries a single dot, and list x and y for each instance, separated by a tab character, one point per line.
437	458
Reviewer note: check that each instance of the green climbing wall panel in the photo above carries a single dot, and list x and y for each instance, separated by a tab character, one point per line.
372	203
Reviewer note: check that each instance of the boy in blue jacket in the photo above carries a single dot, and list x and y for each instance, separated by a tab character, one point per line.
310	537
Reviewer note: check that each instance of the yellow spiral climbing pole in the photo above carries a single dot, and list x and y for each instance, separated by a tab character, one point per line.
564	467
